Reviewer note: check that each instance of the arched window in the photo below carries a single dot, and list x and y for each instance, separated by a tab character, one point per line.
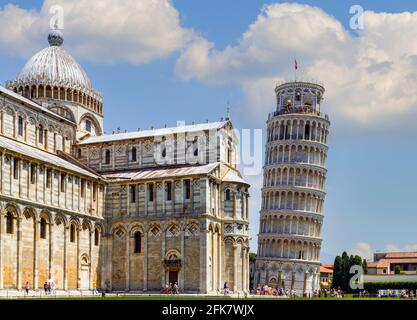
150	192
169	191
133	194
227	196
164	152
32	173
88	125
43	229
307	132
63	181
40	134
107	157
9	223
287	133
187	187
138	242
196	152
16	164
72	233
96	237
133	154
20	126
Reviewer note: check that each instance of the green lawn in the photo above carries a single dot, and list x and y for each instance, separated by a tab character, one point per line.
179	298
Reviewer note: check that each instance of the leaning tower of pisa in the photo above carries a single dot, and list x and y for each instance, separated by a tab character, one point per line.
293	191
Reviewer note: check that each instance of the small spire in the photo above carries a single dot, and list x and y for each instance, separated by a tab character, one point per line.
228	117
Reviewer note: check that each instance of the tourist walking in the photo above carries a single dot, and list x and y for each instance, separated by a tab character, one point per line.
27	287
175	288
226	288
45	287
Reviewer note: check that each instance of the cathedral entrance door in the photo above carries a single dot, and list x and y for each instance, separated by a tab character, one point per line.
173	277
85	273
85	279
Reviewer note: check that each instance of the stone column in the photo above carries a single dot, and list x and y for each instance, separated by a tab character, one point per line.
203	260
315	280
110	260
78	259
266	282
163	255
305	282
66	228
235	269
35	254
213	276
90	267
182	272
292	280
2	231
51	248
145	261
247	288
19	253
244	275
127	287
234	205
220	259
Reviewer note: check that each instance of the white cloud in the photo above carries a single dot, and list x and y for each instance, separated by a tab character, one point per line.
405	248
363	250
106	31
254	207
369	77
366	251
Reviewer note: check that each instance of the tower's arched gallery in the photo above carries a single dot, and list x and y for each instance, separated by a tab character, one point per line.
293	191
125	211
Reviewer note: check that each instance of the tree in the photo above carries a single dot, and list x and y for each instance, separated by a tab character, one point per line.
365	266
344	279
252	257
341	270
337	272
397	270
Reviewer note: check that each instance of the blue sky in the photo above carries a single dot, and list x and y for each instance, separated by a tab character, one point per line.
372	173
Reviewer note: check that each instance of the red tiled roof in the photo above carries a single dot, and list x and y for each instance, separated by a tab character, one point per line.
383	263
403	260
325	270
400	255
328	266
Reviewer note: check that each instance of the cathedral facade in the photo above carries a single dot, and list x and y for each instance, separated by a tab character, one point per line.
123	212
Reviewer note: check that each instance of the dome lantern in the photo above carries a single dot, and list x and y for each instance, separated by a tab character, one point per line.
55	38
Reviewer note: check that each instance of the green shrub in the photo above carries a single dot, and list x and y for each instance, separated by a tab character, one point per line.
373	287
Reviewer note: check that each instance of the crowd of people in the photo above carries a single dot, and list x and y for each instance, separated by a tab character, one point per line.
405	293
170	288
281	292
48	287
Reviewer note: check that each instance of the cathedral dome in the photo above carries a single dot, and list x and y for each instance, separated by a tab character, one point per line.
54	73
55	67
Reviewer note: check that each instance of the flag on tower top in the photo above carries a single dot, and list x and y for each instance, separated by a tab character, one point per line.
295	64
